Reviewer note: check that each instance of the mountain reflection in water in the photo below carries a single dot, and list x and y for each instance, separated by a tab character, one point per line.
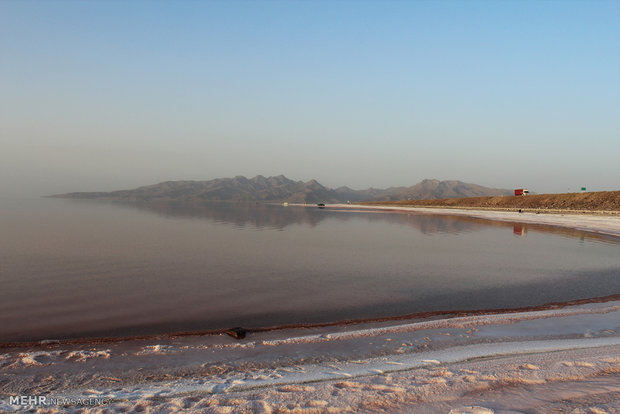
278	217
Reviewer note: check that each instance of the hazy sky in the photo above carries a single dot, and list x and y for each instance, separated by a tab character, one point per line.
102	95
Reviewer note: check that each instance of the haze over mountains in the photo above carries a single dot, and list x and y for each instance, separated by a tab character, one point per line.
281	189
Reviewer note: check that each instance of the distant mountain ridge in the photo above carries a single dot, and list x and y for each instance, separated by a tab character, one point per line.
280	188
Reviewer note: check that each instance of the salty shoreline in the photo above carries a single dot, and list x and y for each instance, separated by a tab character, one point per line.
428	366
595	223
338	324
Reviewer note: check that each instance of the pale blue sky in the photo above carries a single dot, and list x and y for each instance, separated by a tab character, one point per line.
102	95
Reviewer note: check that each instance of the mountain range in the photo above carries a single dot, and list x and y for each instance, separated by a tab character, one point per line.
280	189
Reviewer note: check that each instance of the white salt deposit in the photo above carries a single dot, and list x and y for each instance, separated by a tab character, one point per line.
82	356
602	224
300	373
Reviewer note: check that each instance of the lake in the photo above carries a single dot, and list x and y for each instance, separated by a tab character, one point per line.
79	268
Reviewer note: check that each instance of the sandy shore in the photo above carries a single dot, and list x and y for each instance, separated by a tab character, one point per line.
563	359
595	223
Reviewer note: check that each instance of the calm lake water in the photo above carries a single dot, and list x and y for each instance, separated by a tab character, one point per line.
73	268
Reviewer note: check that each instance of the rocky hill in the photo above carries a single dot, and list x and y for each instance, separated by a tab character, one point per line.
281	188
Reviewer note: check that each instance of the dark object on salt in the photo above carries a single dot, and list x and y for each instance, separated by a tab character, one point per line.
237	333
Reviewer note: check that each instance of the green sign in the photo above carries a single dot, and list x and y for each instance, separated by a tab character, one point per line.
583	189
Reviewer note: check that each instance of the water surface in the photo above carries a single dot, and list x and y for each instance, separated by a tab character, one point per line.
76	268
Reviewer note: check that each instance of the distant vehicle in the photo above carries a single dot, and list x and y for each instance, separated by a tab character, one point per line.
321	205
285	204
521	192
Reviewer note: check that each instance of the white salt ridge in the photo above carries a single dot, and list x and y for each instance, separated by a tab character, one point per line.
458	322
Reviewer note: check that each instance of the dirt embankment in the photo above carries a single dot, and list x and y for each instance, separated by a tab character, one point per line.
602	201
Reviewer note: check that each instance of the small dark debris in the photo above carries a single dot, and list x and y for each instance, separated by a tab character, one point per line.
237	333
